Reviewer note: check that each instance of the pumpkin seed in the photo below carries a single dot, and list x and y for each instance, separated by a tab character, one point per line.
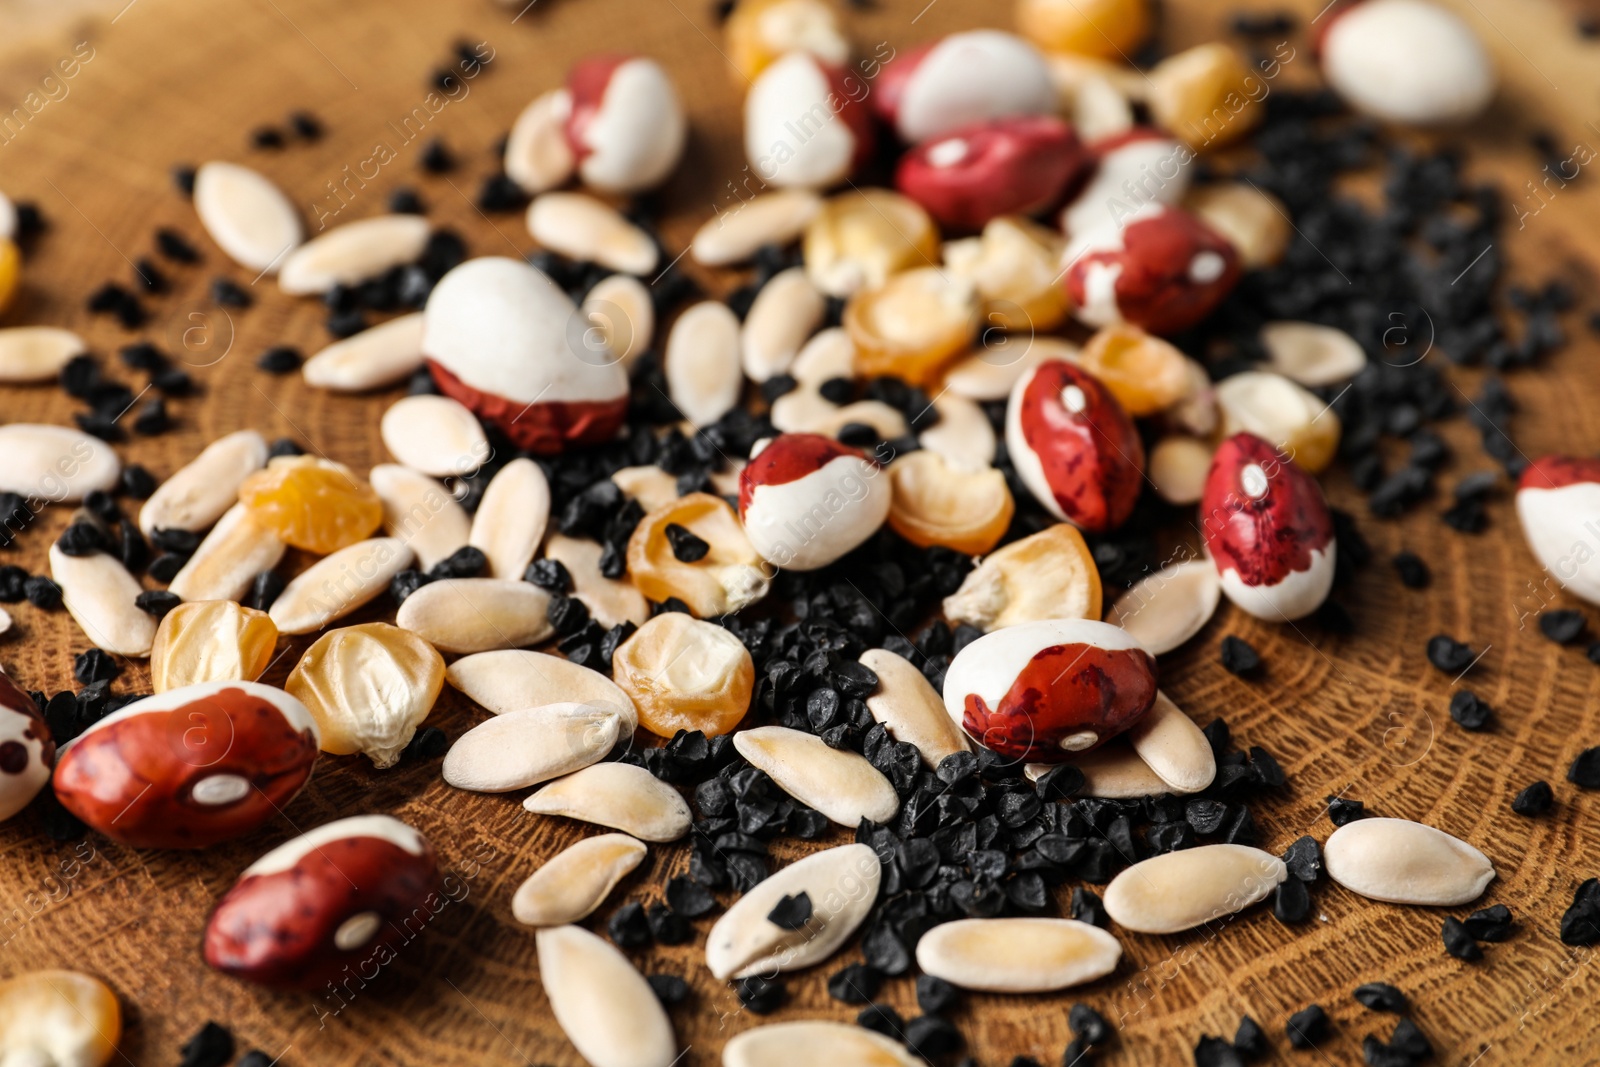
830	354
963	434
420	512
477	614
990	372
906	702
510	520
1165	609
1180	890
776	218
783	317
580	227
353	253
435	435
651	486
1178	467
610	602
621	308
841	785
372	359
99	593
1172	745
249	217
538	155
529	746
1311	354
198	493
1406	862
36	353
813	1041
604	1006
703	376
618	795
1018	955
510	679
338	584
575	881
236	550
804	410
54	464
1113	771
842	885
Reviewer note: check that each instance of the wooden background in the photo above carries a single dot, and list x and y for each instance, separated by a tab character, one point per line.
1365	716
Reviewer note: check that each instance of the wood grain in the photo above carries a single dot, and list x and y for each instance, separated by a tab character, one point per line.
1363	716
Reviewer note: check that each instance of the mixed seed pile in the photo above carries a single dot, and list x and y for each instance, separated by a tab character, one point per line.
872	543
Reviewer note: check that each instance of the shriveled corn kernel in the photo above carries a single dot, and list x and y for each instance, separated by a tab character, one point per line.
369	687
312	503
211	641
858	239
1143	372
685	674
1206	96
1292	419
1256	222
938	503
730	576
1015	267
58	1019
1113	29
912	325
1049	575
10	272
759	31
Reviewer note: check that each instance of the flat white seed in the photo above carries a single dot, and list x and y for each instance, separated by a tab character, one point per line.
435	435
1165	609
618	795
1018	955
1100	110
814	1041
621	309
338	584
1172	745
610	602
199	492
963	434
1405	862
353	253
1114	771
777	218
420	512
578	226
841	785
510	520
990	373
651	486
1311	354
54	464
907	703
477	614
372	359
568	886
538	156
842	884
529	746
1180	890
703	375
782	318
603	1004
830	354
507	680
1408	61
5	621
1178	467
99	593
36	353
229	557
803	410
247	215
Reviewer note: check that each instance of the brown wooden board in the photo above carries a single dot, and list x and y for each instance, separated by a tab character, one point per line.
1362	716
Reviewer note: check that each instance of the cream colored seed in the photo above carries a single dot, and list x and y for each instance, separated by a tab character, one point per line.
99	593
1274	408
783	317
1165	609
1047	575
841	785
1406	862
571	884
511	679
813	1041
963	434
247	215
53	464
804	410
610	602
198	493
990	373
538	156
374	358
618	795
1254	221
703	375
1172	745
533	745
1113	771
210	641
338	584
1018	955
58	1019
578	226
733	236
604	1006
1311	354
435	435
1100	110
368	687
621	309
1178	466
651	486
36	353
421	512
830	354
236	550
1181	890
477	614
906	702
511	517
353	253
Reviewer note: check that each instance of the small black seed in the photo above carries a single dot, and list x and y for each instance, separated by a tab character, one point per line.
436	157
1535	800
1489	924
152	419
1414	573
1216	1052
1088	1024
280	359
1304	859
255	1058
856	983
1291	903
1088	908
1381	996
230	294
267	137
1585	770
137	482
156	602
1448	654
881	1019
1238	656
667	926
686	545
95	665
930	1037
689	898
669	989
265	589
42	593
936	996
1249	1039
428	743
166	566
1562	627
1580	923
1342	811
1409	1039
499	193
174	246
81	539
183	179
1458	942
149	277
760	995
628	926
1469	712
212	1046
306	125
1307	1026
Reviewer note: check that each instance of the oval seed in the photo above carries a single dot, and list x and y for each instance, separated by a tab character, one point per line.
1113	771
1172	745
510	520
99	593
36	353
477	614
353	253
610	602
1291	419
420	512
830	354
199	492
435	435
605	1007
368	687
1180	890
813	1041
338	584
54	464
1165	609
842	885
1406	862
703	375
906	702
1311	354
388	353
249	217
963	435
1178	466
618	795
651	486
1018	955
805	411
578	226
841	785
238	548
776	218
538	155
783	317
510	679
529	746
575	881
621	308
210	641
991	371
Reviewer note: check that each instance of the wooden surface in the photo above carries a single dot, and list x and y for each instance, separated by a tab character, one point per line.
1364	716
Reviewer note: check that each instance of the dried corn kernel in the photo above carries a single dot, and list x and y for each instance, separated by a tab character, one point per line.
759	31
58	1019
1144	373
912	325
1113	29
1292	419
728	577
1015	267
937	503
1206	96
685	674
858	239
10	272
312	503
211	641
1050	575
369	687
1253	220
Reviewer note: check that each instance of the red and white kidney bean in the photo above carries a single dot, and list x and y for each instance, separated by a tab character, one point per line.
805	125
1131	169
805	500
1558	502
626	125
27	751
961	79
1011	166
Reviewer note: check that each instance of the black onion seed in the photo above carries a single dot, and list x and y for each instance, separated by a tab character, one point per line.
1307	1026
1469	712
1238	657
1534	800
1458	942
1448	654
1562	627
1381	996
687	546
